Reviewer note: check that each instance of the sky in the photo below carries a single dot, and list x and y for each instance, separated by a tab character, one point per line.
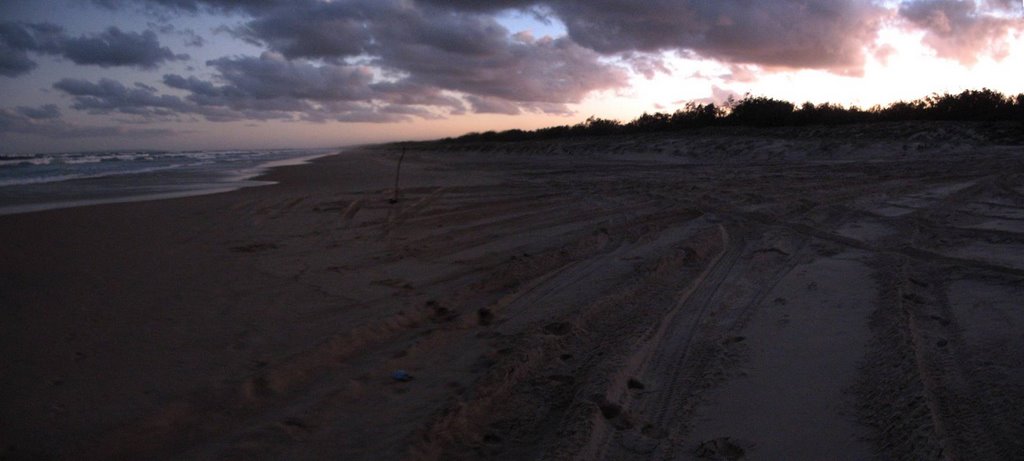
78	75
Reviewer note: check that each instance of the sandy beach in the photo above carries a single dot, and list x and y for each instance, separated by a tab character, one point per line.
850	292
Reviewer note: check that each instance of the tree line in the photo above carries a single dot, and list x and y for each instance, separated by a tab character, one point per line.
761	111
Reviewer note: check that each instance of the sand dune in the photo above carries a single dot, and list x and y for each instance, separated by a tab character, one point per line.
804	293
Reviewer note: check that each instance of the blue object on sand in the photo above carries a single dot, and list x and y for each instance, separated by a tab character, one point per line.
401	375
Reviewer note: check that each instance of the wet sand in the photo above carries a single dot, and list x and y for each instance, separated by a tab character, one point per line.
805	293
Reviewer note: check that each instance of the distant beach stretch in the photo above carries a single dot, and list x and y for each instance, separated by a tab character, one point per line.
844	292
46	181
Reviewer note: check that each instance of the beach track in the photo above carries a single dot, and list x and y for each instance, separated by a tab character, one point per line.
772	296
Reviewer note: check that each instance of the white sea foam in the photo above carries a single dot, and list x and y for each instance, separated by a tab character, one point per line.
45	181
85	159
69	177
25	161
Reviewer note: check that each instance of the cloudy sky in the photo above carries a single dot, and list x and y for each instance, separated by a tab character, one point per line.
205	74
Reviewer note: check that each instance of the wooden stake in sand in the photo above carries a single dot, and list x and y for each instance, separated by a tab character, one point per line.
398	171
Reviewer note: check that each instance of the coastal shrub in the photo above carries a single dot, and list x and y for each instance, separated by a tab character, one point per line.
969	105
983	104
651	122
693	115
761	111
697	115
598	126
827	114
902	111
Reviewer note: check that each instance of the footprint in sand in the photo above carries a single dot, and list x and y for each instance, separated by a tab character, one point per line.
484	316
722	448
558	328
255	247
393	283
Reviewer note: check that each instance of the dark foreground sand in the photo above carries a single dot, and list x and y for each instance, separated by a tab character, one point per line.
842	293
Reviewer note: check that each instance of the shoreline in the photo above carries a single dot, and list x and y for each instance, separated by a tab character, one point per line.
240	180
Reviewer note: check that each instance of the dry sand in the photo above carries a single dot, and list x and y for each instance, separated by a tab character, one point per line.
840	293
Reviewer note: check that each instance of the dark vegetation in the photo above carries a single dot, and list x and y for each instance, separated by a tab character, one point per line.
759	111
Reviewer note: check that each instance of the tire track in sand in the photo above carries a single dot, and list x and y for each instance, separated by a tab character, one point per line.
664	352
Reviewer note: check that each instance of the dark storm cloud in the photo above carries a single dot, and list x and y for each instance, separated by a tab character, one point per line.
426	47
411	65
195	6
110	48
824	34
18	39
114	47
14	62
459	46
198	87
819	34
265	88
48	111
481	5
962	30
448	50
271	76
45	121
108	96
273	87
317	30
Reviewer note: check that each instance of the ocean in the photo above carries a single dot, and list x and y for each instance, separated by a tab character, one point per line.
47	181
